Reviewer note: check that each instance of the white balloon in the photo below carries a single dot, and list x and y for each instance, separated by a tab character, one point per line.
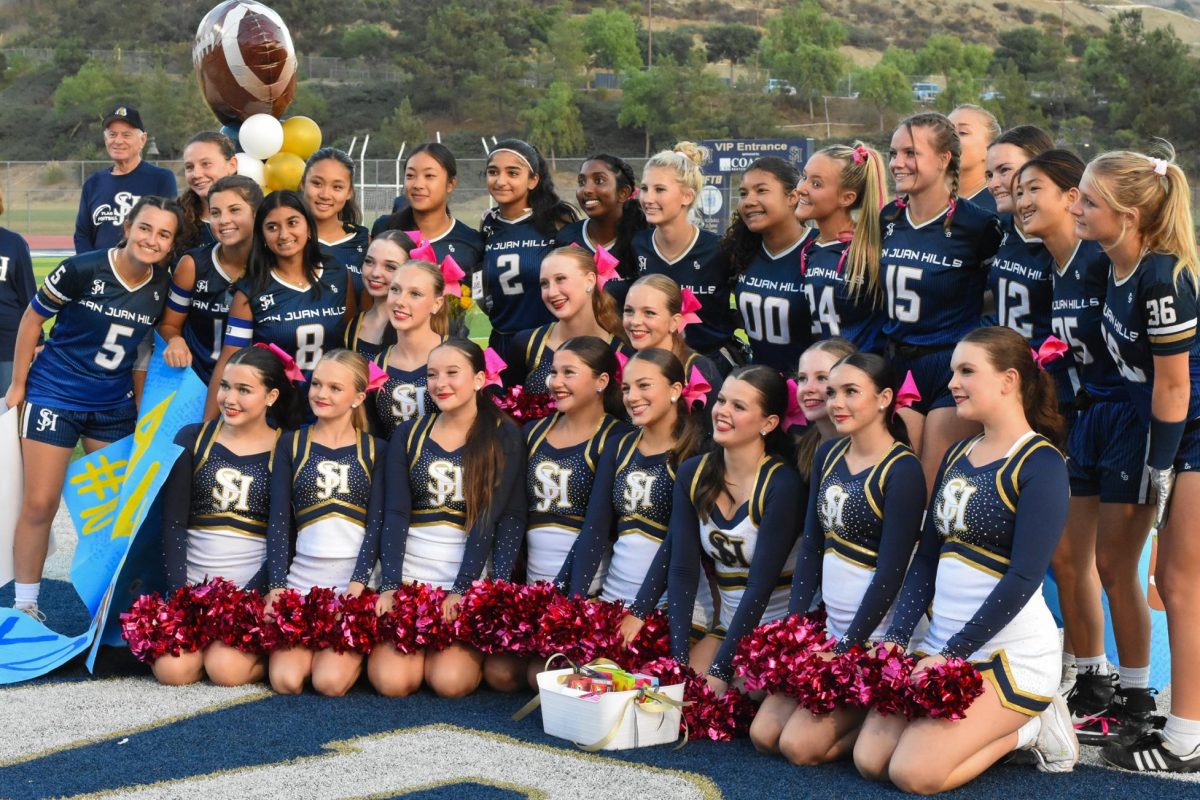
251	167
261	136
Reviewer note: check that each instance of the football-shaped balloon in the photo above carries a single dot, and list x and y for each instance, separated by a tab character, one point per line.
283	171
301	136
245	61
261	135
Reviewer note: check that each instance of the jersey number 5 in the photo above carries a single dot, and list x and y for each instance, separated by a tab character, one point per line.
112	352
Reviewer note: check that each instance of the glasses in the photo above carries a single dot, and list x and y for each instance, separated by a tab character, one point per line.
121	136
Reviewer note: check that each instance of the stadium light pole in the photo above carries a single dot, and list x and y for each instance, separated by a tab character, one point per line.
649	33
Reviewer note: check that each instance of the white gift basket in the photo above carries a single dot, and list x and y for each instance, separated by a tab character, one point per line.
610	721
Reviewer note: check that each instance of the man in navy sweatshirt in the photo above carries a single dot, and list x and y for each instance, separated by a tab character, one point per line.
109	194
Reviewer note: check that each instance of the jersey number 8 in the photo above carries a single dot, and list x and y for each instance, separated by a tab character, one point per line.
310	344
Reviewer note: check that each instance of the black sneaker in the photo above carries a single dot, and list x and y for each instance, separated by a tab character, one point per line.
1135	708
1149	754
1090	701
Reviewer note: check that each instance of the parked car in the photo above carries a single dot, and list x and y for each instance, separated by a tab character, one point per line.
925	92
775	85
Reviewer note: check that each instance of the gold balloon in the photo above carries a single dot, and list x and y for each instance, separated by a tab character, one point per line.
301	136
283	171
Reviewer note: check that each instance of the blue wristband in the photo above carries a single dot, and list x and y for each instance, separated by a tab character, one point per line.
1164	443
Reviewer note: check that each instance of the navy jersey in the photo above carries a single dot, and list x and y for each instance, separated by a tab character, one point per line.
987	542
858	538
510	280
983	198
325	497
211	488
106	199
207	308
1151	313
349	251
459	240
775	311
558	480
705	270
577	234
1079	289
401	398
205	231
17	287
87	363
836	308
1020	281
933	276
304	322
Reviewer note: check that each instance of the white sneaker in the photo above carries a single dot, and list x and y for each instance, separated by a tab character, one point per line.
31	610
1069	671
1057	747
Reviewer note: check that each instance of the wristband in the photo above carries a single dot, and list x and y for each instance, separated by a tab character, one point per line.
1164	443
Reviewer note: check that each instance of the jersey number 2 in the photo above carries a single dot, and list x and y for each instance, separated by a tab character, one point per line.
510	273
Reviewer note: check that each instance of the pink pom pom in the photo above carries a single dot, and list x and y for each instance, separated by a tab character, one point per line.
719	719
946	691
358	624
652	642
289	627
502	617
416	620
775	652
886	674
234	618
524	406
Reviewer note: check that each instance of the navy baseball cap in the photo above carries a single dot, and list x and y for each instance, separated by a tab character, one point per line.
124	113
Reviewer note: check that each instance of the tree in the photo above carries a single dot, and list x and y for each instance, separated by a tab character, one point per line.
733	43
675	101
562	57
670	44
1014	105
943	54
366	41
1035	53
553	124
886	88
610	37
402	127
801	48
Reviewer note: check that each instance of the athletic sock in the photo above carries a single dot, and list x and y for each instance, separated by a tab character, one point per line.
1134	677
1092	665
1027	734
1181	736
26	594
1068	660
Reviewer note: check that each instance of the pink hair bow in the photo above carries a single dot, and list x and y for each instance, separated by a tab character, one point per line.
423	252
1051	349
860	154
606	266
452	273
697	388
416	236
634	194
795	414
689	308
377	377
493	365
293	372
622	360
908	393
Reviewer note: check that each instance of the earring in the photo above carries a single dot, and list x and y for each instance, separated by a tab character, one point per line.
588	290
354	405
674	399
599	391
762	433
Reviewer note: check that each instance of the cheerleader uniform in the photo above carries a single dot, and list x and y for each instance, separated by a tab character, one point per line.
770	295
1106	447
636	490
215	511
859	536
329	498
400	399
753	553
989	535
835	307
509	282
423	537
349	252
368	350
704	269
301	321
1152	313
81	383
206	307
530	358
934	278
558	482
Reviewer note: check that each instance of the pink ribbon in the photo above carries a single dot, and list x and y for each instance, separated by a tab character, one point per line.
908	393
416	236
606	266
689	308
423	252
795	414
860	154
493	365
697	388
452	274
622	360
293	372
377	377
1051	349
